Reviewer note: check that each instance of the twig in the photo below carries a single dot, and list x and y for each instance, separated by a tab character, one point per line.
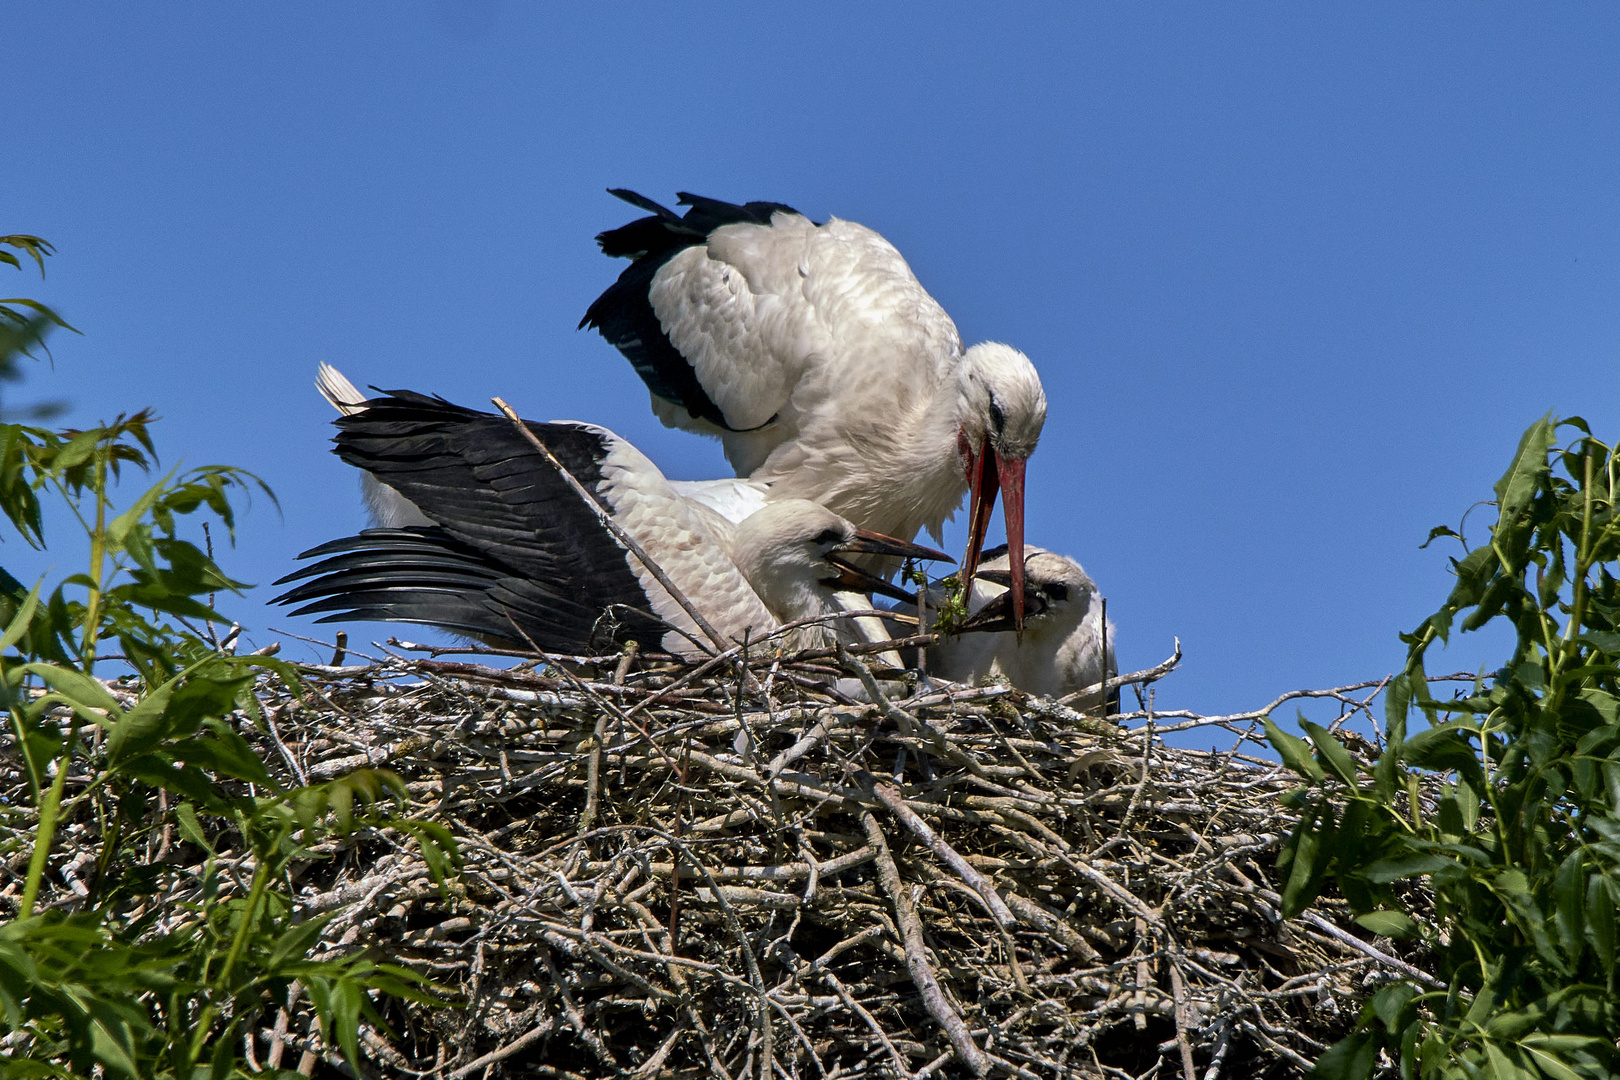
615	528
922	974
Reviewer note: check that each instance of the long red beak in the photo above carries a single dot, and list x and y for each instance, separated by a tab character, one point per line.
1011	472
988	473
984	481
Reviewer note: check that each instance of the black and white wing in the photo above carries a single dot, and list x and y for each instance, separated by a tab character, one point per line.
513	528
753	317
425	575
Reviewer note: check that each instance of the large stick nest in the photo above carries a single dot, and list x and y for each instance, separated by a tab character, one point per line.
741	870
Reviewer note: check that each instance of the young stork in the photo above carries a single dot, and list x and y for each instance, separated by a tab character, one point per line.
1062	648
509	553
823	366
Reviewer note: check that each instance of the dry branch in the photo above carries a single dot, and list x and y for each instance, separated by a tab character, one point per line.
959	881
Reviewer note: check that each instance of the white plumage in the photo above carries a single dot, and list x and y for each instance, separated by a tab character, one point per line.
823	366
1062	648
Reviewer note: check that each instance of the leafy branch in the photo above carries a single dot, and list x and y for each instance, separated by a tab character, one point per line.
99	982
1504	804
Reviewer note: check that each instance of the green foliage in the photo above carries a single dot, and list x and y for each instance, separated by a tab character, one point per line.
24	324
116	983
1507	803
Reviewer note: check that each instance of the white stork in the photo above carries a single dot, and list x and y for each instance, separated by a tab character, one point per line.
825	369
1063	648
511	554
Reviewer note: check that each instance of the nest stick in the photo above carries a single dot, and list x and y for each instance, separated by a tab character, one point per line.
922	973
614	527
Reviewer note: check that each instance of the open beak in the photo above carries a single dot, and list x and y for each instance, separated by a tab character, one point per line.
988	474
854	578
998	616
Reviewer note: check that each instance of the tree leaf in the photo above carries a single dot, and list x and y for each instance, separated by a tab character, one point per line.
143	727
1387	923
1296	752
1569	896
1332	752
23	619
1530	466
1387	870
1600	920
78	687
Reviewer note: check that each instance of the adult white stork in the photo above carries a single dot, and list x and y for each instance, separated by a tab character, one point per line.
511	554
1064	647
825	369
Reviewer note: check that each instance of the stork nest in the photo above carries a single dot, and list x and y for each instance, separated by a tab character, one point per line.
739	869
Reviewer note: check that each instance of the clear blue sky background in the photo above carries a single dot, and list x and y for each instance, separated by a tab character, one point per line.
1295	278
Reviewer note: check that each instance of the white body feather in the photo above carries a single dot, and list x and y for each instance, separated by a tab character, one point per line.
824	335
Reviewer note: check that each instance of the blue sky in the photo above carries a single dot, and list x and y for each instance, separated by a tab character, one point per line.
1295	278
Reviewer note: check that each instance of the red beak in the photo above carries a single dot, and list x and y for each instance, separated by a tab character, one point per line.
1011	472
988	473
983	483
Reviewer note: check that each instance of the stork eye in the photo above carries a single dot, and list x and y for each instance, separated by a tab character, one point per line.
998	419
1057	591
828	536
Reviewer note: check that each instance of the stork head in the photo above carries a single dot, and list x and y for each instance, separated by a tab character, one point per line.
792	553
1058	593
1001	410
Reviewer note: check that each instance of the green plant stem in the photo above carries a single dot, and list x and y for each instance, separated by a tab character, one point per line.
49	810
98	558
261	881
20	727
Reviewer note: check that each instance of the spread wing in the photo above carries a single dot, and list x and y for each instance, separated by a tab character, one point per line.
425	575
514	520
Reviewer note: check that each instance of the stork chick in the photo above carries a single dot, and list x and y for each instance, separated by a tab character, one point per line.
1061	649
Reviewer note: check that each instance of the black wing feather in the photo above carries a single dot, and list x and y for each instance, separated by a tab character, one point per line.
624	314
514	533
424	575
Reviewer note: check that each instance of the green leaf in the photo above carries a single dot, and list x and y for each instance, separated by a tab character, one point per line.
1390	1002
227	753
1548	1060
119	526
296	942
1351	1058
1386	870
1332	752
1529	468
1397	701
1440	748
1569	889
1604	641
1611	777
1600	920
111	1040
1296	752
1307	860
1387	923
346	1000
77	687
1437	532
23	619
143	727
191	829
